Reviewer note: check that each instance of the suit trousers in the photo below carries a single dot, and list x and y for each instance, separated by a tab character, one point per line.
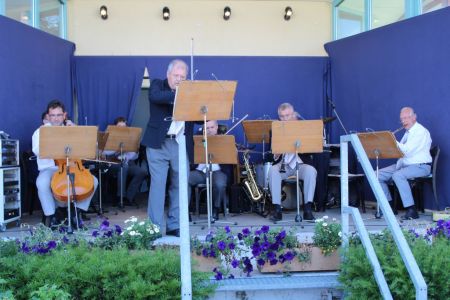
219	185
159	162
136	174
45	194
400	177
306	172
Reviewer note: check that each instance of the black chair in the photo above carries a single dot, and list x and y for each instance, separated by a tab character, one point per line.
417	184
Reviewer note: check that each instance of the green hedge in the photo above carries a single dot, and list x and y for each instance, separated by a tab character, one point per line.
92	273
433	259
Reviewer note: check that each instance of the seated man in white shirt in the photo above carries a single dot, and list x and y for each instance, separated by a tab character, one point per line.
416	162
219	178
56	115
129	169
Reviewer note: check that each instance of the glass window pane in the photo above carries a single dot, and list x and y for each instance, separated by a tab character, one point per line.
430	5
20	10
350	18
49	16
387	11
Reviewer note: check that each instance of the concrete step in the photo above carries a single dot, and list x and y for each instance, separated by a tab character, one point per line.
311	285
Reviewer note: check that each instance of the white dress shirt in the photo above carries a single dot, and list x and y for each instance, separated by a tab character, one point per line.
415	145
43	163
289	159
202	167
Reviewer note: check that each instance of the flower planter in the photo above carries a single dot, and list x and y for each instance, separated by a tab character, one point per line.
204	264
316	262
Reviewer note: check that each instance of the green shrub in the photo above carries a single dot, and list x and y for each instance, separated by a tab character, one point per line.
92	273
434	262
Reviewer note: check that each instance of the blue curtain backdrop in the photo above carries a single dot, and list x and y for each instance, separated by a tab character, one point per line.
374	74
35	67
106	88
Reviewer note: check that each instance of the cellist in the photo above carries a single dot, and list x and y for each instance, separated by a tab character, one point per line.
56	115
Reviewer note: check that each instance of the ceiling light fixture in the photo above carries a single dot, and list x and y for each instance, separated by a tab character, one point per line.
226	13
288	13
104	12
166	13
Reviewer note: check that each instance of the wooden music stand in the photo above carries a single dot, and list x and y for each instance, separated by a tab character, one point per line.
221	148
102	137
297	137
67	142
379	144
123	139
258	131
53	141
196	99
128	138
285	135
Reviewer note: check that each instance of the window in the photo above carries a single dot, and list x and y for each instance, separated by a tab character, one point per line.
386	12
430	5
47	15
350	18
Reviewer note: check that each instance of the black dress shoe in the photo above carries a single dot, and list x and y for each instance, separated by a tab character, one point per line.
276	216
411	213
215	214
307	213
175	232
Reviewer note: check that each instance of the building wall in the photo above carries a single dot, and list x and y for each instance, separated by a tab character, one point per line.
256	28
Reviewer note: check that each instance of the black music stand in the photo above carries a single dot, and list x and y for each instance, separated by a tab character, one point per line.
69	143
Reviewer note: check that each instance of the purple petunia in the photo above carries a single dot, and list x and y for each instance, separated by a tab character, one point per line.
104	225
234	263
95	233
246	232
289	256
273	261
265	229
227	229
231	246
205	253
51	245
221	245
260	262
118	229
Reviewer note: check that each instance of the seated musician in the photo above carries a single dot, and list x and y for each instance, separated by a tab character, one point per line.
416	162
130	170
219	178
285	166
56	115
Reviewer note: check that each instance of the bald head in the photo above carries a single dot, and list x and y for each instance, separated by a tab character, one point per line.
211	127
407	117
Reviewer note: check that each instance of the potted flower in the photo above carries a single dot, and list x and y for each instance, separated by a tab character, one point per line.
218	249
278	251
139	234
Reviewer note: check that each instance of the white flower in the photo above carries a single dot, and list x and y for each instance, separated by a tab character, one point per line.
133	219
138	234
324	224
319	220
156	229
133	233
129	228
126	221
150	231
325	217
340	234
334	220
142	223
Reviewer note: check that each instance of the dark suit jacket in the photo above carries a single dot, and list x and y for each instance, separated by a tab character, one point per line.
161	98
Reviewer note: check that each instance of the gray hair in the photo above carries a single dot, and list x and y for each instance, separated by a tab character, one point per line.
175	63
410	109
285	106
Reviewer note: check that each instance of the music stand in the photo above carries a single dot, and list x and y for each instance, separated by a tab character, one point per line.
102	137
221	150
380	145
68	142
257	132
202	101
297	137
123	139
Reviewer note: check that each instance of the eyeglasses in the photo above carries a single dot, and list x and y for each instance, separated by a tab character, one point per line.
55	115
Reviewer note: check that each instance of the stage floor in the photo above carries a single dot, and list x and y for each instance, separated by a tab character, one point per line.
304	229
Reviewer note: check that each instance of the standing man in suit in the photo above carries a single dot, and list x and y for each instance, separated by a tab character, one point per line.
162	146
416	162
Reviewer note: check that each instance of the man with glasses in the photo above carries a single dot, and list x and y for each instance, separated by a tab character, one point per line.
416	162
161	139
56	115
285	166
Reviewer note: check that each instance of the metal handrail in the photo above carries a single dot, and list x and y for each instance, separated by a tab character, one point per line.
399	238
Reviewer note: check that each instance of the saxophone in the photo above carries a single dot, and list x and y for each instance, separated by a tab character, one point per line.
251	188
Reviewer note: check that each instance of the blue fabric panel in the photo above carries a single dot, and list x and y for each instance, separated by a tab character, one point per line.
35	67
107	87
374	74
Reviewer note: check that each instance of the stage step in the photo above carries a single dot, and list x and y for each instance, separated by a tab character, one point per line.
311	286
